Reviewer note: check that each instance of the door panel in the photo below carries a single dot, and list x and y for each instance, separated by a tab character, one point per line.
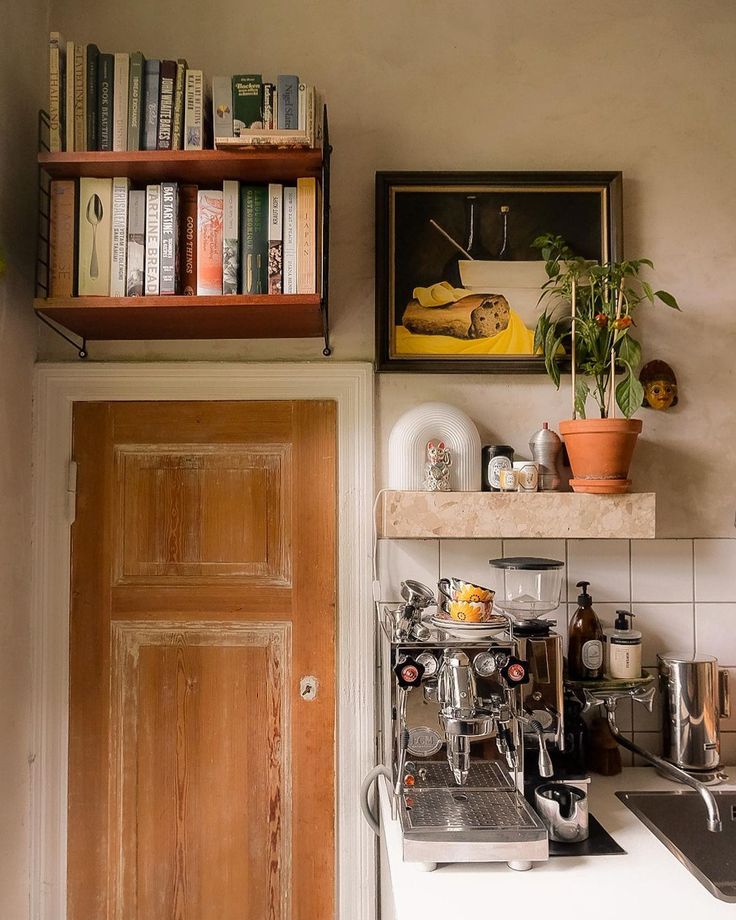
201	785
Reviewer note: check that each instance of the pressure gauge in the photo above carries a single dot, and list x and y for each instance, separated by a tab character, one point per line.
429	662
484	664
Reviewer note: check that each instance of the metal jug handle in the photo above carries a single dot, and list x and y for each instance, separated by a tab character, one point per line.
724	694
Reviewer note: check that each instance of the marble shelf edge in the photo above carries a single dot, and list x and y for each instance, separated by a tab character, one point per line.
534	515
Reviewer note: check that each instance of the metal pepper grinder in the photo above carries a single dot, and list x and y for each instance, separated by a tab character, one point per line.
545	446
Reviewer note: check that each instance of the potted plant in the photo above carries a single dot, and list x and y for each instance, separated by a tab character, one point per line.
589	310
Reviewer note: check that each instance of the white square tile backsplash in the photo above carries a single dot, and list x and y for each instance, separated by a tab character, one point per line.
605	564
468	559
662	570
402	559
715	570
665	628
715	631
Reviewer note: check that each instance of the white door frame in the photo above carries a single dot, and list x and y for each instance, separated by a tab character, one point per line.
57	388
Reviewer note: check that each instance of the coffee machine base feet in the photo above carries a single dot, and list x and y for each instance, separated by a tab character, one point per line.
425	866
520	865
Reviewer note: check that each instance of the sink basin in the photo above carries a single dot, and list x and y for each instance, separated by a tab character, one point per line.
678	820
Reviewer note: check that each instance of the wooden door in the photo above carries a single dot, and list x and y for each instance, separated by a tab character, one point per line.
201	768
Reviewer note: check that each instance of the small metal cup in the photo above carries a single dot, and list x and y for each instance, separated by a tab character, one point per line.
564	809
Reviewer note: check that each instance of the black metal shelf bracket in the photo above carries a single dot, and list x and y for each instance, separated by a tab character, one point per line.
80	349
325	285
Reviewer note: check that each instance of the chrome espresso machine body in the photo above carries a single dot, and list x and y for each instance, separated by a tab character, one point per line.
459	714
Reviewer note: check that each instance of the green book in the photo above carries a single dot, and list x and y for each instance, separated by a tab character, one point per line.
254	239
135	100
247	102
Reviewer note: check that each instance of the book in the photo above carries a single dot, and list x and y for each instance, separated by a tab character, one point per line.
275	105
166	104
57	55
151	76
209	242
169	220
153	239
288	90
306	238
135	100
188	238
230	235
264	138
269	91
275	237
222	107
120	102
177	123
136	243
93	53
105	93
194	111
80	97
95	231
302	108
62	216
119	236
289	283
247	102
253	239
69	98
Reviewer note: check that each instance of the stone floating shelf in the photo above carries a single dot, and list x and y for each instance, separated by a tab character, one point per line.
534	515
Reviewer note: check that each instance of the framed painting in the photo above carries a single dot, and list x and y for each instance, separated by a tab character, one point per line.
457	277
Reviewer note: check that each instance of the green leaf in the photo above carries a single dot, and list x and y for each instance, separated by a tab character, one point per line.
551	346
646	262
667	299
540	332
648	292
582	390
629	351
629	394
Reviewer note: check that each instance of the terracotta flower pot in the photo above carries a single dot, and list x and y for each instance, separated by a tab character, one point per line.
600	451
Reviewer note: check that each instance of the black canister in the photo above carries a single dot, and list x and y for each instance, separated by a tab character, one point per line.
495	457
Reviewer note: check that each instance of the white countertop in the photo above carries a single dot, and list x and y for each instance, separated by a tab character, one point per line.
644	880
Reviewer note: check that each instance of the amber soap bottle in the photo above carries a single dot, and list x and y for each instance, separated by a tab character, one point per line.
585	648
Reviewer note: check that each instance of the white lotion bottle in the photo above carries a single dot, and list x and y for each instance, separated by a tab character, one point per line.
623	648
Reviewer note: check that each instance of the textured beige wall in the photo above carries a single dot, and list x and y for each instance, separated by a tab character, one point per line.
21	81
645	88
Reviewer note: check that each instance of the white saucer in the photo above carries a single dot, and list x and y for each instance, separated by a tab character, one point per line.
466	630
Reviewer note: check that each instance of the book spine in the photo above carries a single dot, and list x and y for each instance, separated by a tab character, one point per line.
135	101
193	111
95	231
306	209
290	239
61	237
188	238
275	109
120	102
177	126
166	105
118	242
230	236
209	242
136	259
275	238
247	90
105	91
80	97
288	89
69	98
310	116
56	95
264	139
222	107
302	107
268	106
169	216
93	54
254	239
150	100
153	239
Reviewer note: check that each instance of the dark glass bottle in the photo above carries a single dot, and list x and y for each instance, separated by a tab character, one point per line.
585	646
471	242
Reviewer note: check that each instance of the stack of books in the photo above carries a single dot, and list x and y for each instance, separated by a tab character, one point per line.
110	239
246	111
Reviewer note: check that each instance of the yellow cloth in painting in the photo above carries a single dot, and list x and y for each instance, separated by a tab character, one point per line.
438	295
515	339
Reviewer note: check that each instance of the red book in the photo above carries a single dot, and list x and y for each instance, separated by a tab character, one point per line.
188	238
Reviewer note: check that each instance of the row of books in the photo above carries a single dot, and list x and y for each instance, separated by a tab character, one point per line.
101	101
109	239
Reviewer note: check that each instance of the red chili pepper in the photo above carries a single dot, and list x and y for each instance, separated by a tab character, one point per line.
623	322
601	319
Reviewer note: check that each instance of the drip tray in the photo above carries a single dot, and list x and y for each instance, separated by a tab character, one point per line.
483	774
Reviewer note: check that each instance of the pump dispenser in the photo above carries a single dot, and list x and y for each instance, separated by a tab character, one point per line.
585	649
623	648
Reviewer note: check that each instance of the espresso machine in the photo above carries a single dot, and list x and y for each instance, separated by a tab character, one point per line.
460	710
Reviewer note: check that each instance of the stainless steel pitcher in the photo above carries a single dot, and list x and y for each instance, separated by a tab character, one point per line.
695	697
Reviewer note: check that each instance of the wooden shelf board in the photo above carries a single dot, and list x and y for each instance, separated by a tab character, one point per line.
196	166
535	515
226	317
